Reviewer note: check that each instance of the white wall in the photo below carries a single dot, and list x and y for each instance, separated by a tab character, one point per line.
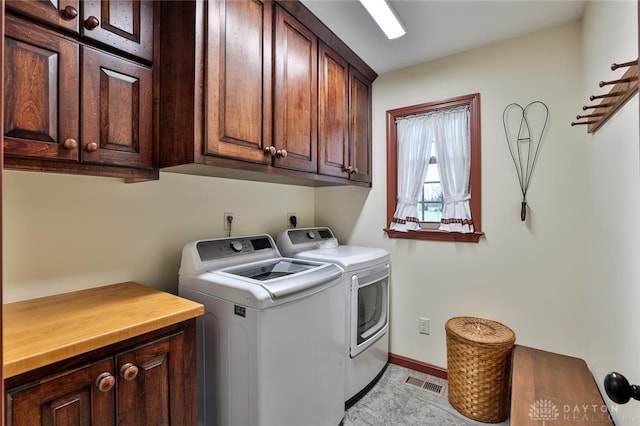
530	276
612	284
63	233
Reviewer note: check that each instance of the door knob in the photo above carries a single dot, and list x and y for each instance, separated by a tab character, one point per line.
619	390
281	153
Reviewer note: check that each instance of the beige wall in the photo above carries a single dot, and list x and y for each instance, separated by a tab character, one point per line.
568	279
528	275
611	264
63	232
551	279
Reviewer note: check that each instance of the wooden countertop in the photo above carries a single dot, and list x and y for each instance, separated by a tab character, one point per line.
42	331
556	388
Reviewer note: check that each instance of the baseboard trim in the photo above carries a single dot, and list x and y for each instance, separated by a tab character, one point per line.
416	365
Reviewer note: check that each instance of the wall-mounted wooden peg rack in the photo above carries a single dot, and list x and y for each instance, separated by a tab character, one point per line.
621	91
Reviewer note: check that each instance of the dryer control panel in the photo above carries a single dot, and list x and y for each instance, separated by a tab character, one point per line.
294	241
302	236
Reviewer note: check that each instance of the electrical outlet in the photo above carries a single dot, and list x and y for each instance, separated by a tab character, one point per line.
292	220
423	325
228	219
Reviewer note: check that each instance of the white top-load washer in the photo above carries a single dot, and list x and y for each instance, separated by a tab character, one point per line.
271	341
366	300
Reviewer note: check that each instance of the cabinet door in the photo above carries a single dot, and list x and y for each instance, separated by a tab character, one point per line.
126	25
41	83
360	126
70	398
333	118
295	94
117	111
155	395
62	14
238	79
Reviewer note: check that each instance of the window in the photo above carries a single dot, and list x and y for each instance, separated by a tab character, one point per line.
430	205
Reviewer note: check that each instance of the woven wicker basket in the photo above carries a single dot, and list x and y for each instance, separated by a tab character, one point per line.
479	367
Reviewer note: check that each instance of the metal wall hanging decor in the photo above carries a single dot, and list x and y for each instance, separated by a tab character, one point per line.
524	128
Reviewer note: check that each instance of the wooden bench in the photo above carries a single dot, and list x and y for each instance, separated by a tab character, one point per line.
554	389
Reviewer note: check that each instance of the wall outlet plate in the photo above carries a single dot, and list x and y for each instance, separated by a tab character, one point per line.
228	220
423	325
289	221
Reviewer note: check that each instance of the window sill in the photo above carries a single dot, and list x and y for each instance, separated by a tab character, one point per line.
435	235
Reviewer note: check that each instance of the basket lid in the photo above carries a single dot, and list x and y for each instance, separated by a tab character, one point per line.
480	330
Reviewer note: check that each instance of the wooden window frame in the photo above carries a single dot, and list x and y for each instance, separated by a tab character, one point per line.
473	101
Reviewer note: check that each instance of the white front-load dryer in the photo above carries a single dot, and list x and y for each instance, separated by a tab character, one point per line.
366	296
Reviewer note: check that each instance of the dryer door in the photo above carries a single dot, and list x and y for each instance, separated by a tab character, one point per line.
369	308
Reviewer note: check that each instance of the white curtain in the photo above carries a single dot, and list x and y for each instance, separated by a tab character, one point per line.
449	130
453	148
415	135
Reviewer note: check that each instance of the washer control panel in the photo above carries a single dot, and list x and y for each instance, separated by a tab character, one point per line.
230	247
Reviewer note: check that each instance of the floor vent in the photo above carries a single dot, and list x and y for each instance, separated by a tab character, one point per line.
424	384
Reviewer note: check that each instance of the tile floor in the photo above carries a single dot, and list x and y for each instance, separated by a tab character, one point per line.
393	402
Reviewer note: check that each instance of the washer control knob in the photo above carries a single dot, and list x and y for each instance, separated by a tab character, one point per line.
311	235
236	246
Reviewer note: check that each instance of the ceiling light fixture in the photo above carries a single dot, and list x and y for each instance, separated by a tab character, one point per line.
385	17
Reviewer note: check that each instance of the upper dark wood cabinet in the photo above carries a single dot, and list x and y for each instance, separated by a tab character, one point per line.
42	77
62	14
116	107
126	25
242	92
238	80
70	106
333	122
296	95
359	126
344	127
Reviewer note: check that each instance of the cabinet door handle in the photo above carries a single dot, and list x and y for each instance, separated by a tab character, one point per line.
349	169
282	153
69	12
70	144
270	150
91	22
105	382
128	371
91	147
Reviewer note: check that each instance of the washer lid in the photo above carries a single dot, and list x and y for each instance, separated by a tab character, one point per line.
281	278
